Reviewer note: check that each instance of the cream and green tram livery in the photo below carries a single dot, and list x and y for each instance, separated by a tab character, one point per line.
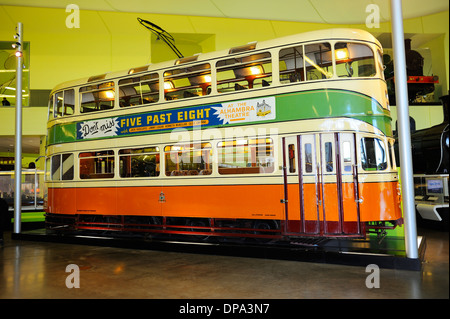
277	139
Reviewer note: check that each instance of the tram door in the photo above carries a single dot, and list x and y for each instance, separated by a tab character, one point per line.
321	184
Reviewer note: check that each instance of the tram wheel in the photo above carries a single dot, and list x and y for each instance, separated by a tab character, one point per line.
263	225
199	222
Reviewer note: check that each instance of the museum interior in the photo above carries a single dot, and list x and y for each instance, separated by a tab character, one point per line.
212	236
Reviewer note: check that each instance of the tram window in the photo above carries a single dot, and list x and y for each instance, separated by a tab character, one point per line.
67	166
253	156
139	162
247	72
62	167
56	168
392	155
373	154
59	104
97	97
139	90
291	65
329	156
308	158
291	149
69	102
347	156
318	62
47	176
188	159
354	60
50	107
187	81
96	164
380	63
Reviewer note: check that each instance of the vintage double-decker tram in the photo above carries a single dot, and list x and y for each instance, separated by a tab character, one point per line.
277	139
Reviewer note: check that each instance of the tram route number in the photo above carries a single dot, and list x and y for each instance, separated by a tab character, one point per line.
227	308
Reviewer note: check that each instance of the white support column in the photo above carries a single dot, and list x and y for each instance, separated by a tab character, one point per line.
404	134
18	149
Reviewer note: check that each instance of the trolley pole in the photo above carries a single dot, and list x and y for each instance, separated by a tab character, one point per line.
18	150
404	134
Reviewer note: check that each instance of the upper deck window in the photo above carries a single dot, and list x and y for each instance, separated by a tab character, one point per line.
64	103
139	90
354	60
247	72
50	106
306	63
292	68
97	97
187	81
318	61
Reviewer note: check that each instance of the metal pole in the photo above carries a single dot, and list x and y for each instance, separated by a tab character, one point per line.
404	134
18	149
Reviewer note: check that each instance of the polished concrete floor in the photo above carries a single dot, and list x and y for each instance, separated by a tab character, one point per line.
31	269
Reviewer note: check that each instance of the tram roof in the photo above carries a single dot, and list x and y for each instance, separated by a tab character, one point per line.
327	34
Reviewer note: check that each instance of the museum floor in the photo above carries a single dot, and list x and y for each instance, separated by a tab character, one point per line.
32	269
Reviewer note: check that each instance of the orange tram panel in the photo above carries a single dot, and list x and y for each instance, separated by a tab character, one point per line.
226	210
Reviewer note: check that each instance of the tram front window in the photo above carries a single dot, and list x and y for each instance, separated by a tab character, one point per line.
373	154
354	60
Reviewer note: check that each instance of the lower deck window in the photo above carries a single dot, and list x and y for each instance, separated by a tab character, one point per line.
244	156
62	167
95	165
139	162
188	159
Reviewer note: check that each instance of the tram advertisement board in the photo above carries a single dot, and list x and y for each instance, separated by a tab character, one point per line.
229	113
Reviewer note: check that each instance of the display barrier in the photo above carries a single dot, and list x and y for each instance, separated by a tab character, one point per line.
32	189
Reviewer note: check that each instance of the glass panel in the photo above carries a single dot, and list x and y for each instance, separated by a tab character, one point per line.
291	150
187	82
97	165
139	90
318	61
247	72
97	97
308	158
291	65
50	107
56	165
139	162
329	156
347	156
188	159
67	166
244	156
373	154
354	60
69	102
59	104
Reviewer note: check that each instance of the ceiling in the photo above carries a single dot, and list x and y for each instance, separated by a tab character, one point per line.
317	11
30	144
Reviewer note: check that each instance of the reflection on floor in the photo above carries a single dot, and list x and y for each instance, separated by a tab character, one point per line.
30	269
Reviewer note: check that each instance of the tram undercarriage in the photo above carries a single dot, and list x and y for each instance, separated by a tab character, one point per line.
260	230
